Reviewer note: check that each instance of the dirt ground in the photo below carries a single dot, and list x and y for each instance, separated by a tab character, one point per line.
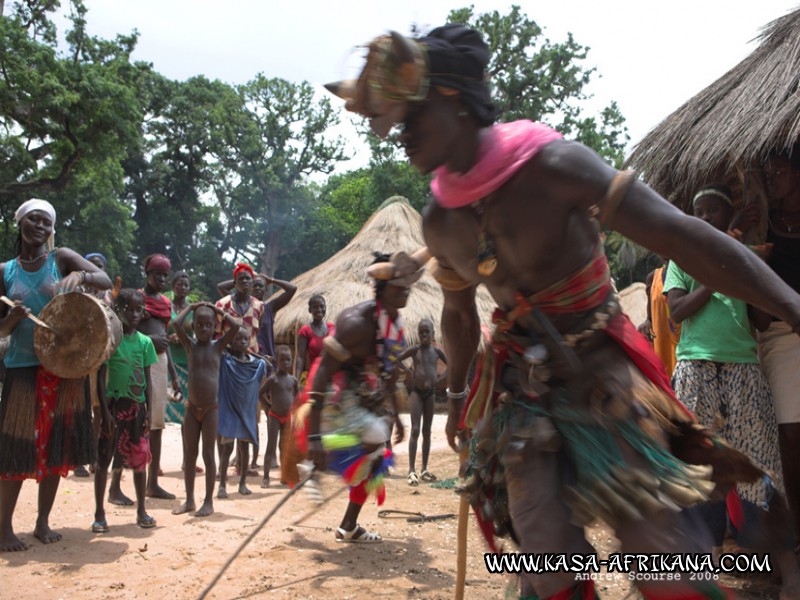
181	556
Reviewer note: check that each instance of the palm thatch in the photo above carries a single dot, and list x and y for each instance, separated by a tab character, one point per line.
633	300
343	280
724	133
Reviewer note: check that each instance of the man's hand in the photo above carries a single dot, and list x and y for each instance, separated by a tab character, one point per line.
160	342
455	438
646	329
317	454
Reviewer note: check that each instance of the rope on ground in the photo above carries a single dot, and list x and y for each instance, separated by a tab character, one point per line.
253	534
413	517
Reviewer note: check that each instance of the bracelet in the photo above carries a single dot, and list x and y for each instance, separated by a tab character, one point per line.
457	395
315	437
83	277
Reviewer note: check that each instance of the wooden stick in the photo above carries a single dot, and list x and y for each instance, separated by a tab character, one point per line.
463	522
33	318
253	534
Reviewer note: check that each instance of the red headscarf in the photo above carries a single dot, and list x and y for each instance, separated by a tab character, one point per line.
157	262
242	267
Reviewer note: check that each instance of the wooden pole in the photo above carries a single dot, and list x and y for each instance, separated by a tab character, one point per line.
463	522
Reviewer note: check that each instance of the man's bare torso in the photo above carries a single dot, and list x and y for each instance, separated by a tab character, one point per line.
540	227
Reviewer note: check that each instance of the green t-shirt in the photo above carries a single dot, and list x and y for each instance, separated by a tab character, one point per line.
126	367
720	331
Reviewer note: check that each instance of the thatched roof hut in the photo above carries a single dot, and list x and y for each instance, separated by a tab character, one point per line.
724	133
343	279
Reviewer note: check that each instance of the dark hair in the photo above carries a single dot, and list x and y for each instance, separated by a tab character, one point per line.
380	284
178	275
207	307
125	296
18	245
790	155
281	348
316	297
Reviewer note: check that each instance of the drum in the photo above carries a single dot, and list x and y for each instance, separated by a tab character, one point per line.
85	332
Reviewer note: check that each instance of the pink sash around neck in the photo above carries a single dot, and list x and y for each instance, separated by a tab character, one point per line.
504	149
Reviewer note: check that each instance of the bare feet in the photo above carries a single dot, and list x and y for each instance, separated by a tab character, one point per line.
206	509
118	498
160	493
11	543
265	483
243	490
184	508
222	492
44	534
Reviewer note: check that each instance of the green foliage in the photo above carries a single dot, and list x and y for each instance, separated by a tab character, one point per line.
66	120
279	138
535	78
628	261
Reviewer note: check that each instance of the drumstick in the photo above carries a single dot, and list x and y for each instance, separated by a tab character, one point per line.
33	318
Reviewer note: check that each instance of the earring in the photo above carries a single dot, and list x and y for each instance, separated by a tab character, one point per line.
462	113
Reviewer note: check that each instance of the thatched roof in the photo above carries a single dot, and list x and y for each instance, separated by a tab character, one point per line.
729	128
343	279
633	300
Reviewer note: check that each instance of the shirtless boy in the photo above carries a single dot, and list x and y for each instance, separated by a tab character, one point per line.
280	391
201	410
424	380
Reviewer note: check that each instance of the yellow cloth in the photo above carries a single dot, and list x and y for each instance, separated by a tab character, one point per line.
665	330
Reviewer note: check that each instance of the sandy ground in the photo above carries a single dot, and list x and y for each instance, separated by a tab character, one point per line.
181	556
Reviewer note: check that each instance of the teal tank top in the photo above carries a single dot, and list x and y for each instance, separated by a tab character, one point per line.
35	290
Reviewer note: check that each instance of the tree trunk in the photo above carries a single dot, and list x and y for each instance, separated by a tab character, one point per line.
270	255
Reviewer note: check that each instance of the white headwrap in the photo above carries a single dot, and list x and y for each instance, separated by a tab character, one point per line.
37	204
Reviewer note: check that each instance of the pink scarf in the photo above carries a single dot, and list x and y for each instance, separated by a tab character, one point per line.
504	149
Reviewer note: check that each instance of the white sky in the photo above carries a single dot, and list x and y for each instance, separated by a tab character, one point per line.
650	56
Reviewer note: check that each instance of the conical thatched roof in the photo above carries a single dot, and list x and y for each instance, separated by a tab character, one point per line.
725	132
343	279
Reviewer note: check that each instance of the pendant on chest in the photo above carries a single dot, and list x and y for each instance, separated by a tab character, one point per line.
487	257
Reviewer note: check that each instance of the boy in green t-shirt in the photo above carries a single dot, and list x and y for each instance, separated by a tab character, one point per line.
124	391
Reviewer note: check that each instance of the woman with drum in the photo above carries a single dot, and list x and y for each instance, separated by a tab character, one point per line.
45	421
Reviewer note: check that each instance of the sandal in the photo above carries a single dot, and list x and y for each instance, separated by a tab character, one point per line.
413	480
147	522
359	535
100	526
428	476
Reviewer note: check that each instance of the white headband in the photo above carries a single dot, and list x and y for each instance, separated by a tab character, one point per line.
712	192
36	204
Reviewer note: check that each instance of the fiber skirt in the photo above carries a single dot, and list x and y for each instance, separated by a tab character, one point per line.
45	425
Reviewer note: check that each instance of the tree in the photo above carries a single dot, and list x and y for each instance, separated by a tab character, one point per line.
534	78
66	118
172	169
59	110
260	188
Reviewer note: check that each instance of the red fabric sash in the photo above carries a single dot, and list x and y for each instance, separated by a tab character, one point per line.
159	306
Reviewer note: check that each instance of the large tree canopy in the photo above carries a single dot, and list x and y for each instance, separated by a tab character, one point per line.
211	173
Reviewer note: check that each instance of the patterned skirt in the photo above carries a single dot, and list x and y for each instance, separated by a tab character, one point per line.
734	401
176	411
131	441
45	425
